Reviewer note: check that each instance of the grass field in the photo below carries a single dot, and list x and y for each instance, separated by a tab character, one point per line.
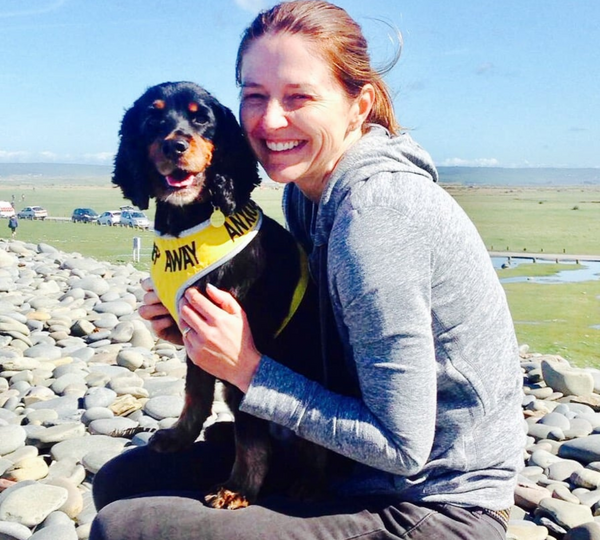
556	318
550	220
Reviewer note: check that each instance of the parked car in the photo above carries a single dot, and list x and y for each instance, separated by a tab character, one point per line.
110	217
134	218
33	212
6	209
85	215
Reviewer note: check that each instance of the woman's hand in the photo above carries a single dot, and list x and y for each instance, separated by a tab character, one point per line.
153	310
217	336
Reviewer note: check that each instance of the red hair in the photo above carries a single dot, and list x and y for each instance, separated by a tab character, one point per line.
341	43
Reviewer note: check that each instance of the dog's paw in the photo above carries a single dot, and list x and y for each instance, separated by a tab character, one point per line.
226	499
169	440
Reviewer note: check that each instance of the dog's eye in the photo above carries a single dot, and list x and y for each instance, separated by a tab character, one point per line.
154	118
200	118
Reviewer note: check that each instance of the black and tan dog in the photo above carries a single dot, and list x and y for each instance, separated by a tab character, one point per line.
179	145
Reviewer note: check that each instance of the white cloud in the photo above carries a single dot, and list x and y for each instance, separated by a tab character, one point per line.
253	6
13	157
480	162
98	158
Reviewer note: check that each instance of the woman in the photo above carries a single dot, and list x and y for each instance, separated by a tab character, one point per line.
435	437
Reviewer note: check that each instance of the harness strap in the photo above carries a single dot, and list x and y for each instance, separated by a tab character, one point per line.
298	291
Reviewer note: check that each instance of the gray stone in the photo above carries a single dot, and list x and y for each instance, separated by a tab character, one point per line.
587	531
96	413
131	359
74	503
555	419
142	336
117	308
526	531
570	381
11	438
107	321
99	397
586	478
585	450
108	426
95	459
123	332
42	351
13	531
541	431
563	469
161	407
31	504
56	532
82	328
566	515
65	406
77	448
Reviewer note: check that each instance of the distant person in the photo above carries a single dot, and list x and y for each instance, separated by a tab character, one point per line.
13	225
434	434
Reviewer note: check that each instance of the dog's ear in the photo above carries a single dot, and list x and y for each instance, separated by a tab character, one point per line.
234	169
128	172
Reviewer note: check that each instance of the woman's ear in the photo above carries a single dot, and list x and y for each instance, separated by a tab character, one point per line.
361	108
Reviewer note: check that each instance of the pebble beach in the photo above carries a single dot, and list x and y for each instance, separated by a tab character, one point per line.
78	364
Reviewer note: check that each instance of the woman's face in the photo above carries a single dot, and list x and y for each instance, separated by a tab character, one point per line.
296	115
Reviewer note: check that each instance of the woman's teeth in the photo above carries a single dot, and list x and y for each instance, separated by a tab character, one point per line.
281	146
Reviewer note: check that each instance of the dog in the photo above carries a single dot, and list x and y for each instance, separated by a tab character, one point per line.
182	147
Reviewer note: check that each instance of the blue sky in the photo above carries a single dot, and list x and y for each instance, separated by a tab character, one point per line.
511	83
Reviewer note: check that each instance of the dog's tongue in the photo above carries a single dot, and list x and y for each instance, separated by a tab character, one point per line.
179	182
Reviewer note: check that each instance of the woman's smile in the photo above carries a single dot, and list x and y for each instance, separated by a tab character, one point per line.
295	113
282	146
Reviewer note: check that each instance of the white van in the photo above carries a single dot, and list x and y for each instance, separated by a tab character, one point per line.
6	209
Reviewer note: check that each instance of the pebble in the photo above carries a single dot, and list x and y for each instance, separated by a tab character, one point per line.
30	504
78	364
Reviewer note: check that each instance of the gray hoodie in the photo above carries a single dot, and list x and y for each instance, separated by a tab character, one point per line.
426	332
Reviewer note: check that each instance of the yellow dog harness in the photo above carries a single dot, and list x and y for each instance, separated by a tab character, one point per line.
178	262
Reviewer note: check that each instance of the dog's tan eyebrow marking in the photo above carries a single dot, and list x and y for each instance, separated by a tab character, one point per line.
192	106
158	104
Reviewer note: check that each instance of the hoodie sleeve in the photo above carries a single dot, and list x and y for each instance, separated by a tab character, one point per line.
380	277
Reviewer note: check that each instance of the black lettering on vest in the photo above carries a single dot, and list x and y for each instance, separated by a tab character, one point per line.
155	253
232	231
181	258
250	211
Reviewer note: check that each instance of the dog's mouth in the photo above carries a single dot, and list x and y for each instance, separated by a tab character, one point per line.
180	179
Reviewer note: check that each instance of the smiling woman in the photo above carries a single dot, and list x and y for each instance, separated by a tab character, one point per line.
298	120
421	389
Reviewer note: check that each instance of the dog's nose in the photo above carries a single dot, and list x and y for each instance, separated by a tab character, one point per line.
175	147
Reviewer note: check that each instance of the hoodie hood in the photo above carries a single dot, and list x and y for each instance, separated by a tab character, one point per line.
376	152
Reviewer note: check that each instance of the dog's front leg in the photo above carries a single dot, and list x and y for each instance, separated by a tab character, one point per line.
199	394
252	457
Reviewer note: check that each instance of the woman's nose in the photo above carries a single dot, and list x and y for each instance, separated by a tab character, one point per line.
274	115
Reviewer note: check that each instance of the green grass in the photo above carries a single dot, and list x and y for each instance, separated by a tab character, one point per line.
558	319
549	318
550	220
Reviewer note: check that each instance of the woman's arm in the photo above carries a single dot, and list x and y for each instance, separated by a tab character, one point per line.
381	281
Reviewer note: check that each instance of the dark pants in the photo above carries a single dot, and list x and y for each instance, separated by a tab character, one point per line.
143	495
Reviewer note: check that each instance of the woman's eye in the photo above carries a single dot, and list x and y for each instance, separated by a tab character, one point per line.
253	98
